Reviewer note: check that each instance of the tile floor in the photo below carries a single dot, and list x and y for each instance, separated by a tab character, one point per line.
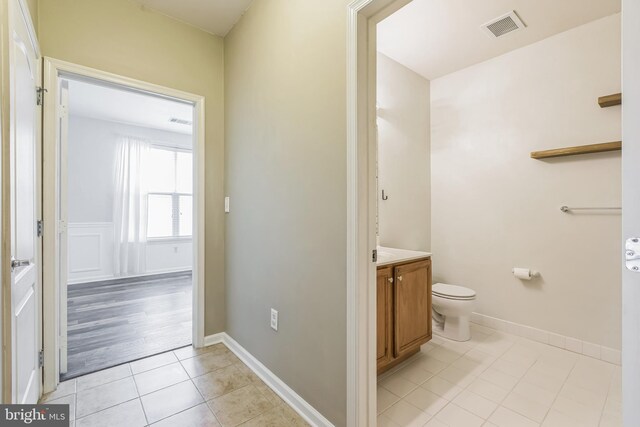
498	379
207	387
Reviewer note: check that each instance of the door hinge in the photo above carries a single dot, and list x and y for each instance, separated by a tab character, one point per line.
40	228
62	227
374	255
41	358
40	95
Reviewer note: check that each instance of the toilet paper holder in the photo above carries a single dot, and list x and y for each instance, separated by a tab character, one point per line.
524	273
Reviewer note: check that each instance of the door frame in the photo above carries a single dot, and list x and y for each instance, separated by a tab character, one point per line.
53	68
6	362
362	18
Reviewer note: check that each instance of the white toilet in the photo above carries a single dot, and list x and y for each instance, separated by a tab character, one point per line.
452	307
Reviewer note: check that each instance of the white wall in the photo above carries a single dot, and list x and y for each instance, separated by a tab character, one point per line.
403	157
91	163
495	208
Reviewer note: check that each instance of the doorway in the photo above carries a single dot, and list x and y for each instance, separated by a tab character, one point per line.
124	172
362	113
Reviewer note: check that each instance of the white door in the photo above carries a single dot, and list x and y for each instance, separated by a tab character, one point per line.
24	63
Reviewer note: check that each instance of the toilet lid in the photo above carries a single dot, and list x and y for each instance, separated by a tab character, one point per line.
452	291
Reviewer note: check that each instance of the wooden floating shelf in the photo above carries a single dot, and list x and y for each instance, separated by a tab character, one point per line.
581	149
610	100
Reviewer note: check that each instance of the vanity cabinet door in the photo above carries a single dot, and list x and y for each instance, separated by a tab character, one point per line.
384	316
412	306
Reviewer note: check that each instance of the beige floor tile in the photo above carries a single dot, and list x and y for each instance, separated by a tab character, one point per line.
245	370
426	401
457	376
454	416
527	407
149	363
268	393
198	416
171	400
385	421
190	351
577	411
158	378
594	399
102	377
434	422
548	382
221	381
469	365
385	399
444	355
398	385
488	390
65	388
442	388
503	417
207	362
430	364
535	393
475	404
271	418
499	378
128	414
406	415
558	419
415	373
292	416
510	367
105	396
239	406
66	400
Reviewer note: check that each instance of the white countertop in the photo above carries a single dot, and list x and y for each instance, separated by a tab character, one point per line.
388	256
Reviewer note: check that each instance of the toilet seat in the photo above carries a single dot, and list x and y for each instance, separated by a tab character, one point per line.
453	292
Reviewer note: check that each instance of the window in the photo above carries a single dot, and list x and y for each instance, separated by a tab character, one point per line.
169	174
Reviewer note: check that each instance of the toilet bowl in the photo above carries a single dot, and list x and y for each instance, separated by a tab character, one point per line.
452	307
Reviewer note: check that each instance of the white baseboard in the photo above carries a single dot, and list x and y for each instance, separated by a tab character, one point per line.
575	345
214	339
293	399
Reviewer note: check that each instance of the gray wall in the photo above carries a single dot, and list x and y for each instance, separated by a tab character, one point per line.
286	176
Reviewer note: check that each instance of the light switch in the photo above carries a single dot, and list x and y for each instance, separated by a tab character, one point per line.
226	204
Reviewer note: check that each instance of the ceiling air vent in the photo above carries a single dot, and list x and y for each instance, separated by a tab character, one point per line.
180	121
504	24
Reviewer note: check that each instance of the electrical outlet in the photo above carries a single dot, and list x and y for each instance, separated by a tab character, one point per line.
274	319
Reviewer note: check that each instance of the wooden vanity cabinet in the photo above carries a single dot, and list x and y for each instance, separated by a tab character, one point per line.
384	315
403	310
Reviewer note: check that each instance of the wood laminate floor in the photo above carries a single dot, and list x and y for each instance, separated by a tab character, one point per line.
118	321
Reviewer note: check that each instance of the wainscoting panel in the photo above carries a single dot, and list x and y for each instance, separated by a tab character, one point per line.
90	253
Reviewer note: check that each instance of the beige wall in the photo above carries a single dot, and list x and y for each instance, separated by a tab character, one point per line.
286	174
120	37
404	173
495	208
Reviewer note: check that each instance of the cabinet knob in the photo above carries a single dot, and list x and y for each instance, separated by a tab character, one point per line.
399	278
390	279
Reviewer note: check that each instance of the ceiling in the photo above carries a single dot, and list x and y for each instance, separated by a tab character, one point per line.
437	37
213	16
114	104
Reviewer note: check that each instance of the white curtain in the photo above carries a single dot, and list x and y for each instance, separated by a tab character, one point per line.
130	207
